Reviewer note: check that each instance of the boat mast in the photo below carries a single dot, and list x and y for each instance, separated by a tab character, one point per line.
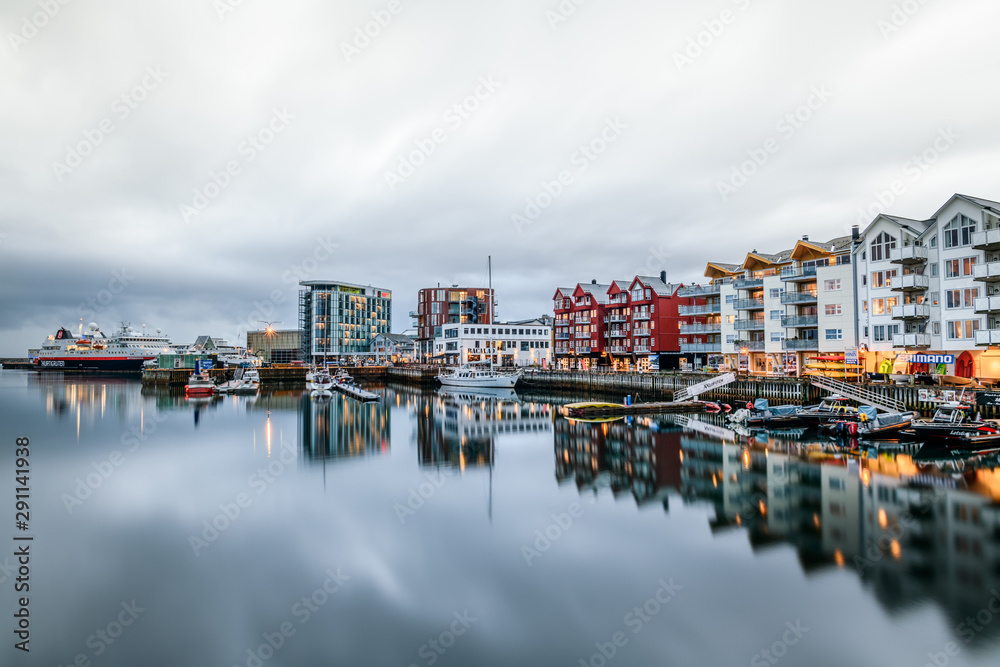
489	273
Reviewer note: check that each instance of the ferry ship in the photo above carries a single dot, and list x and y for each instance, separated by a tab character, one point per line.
91	350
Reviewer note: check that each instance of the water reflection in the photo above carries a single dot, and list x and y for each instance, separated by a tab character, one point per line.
340	427
912	528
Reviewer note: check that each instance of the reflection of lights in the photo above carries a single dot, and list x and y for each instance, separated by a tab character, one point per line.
715	482
267	433
866	476
816	520
762	507
739	521
682	458
897	551
883	520
746	459
838	558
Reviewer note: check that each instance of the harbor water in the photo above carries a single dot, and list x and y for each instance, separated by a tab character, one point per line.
445	528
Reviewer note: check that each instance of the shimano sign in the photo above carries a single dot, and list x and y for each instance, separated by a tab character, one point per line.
927	358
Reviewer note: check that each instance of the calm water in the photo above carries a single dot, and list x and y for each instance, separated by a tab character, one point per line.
433	529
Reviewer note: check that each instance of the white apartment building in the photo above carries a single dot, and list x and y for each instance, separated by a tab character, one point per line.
778	310
932	288
521	343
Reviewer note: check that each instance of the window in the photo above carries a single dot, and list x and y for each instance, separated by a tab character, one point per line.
934	241
731	338
955	268
878	306
775	292
834	309
961	298
831	285
959	231
864	279
730	319
730	298
835	334
879	332
777	336
962	329
775	314
866	332
524	346
883	278
881	246
934	269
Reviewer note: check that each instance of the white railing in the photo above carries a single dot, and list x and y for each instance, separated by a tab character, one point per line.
989	271
859	394
911	340
911	310
913	253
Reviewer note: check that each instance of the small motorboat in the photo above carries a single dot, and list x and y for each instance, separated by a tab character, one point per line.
833	408
246	380
871	425
951	425
200	385
320	384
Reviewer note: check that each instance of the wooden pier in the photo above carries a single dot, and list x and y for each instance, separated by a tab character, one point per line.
597	410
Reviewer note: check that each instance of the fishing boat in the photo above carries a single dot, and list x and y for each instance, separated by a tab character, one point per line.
951	425
246	380
470	375
200	385
831	409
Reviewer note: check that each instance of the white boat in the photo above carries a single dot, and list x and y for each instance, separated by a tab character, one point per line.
319	383
91	350
246	380
469	375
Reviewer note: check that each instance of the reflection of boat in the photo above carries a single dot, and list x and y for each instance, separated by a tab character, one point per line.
476	393
950	424
200	385
246	380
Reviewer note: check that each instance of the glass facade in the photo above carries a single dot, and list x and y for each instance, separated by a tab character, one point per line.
341	319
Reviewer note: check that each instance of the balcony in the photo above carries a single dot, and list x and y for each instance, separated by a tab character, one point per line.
911	311
698	290
748	283
700	328
910	282
749	345
414	313
798	297
619	333
798	273
641	332
694	348
986	272
562	323
562	336
711	309
749	304
988	304
912	340
618	349
618	318
638	317
800	344
986	240
641	349
797	321
582	319
911	254
988	337
750	325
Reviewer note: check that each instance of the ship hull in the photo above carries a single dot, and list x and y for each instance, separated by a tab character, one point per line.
92	364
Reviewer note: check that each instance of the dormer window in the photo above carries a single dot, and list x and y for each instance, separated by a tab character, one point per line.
881	246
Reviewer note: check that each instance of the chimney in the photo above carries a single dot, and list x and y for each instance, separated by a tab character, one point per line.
663	277
593	281
855	233
805	237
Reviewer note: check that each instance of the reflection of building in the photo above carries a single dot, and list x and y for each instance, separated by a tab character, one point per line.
459	429
341	427
341	319
277	347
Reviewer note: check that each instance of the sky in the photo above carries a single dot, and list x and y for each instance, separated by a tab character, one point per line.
184	163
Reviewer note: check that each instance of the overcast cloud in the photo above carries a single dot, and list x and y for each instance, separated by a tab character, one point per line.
886	80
